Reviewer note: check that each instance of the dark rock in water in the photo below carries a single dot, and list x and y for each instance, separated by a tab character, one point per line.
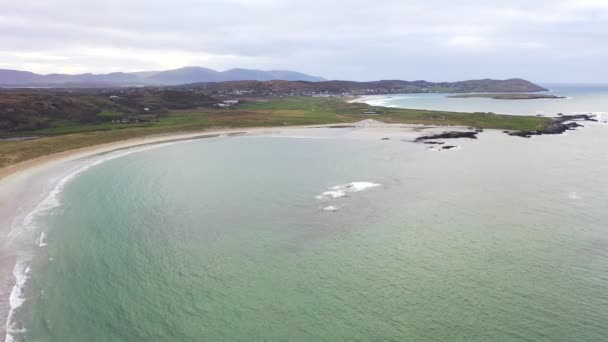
385	139
434	142
582	117
522	134
478	130
560	114
450	135
449	147
339	126
558	126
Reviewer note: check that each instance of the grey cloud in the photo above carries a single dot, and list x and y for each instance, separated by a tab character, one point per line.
435	39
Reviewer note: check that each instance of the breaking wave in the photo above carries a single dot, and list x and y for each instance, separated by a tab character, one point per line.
343	190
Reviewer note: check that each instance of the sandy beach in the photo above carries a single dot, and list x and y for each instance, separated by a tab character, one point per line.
24	185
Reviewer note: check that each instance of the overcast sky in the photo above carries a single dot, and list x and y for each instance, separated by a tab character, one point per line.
541	40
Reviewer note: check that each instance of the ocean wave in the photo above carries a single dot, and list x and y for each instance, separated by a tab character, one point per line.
29	224
21	273
42	240
343	190
375	101
386	101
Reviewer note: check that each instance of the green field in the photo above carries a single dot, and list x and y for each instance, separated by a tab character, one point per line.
64	135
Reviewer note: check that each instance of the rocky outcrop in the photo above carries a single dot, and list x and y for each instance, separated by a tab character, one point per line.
559	125
449	135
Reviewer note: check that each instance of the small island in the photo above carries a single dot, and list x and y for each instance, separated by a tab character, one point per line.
508	96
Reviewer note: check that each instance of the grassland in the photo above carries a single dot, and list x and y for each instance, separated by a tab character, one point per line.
65	135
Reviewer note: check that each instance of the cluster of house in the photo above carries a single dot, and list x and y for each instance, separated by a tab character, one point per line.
227	103
341	93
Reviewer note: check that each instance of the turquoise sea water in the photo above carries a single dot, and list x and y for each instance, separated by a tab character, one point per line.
227	239
580	98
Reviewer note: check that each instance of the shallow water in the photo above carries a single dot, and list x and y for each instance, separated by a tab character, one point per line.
231	239
580	98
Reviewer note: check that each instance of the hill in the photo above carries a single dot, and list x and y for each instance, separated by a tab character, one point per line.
26	110
349	88
15	78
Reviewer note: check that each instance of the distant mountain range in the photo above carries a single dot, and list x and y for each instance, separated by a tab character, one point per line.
278	82
15	78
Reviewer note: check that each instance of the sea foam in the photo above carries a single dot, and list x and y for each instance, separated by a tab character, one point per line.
42	240
344	189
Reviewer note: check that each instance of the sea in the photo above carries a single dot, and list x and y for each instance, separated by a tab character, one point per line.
326	235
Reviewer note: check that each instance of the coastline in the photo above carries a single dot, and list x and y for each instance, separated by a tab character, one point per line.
355	99
365	98
21	183
31	181
376	100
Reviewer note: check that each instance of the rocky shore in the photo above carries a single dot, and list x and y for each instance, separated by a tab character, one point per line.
449	135
559	125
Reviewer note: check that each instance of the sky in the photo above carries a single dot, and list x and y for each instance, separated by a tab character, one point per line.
435	40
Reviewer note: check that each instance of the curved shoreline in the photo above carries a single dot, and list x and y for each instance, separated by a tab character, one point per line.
21	182
16	179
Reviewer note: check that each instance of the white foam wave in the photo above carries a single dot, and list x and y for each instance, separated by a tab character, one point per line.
28	224
42	240
51	201
380	101
331	208
16	299
344	189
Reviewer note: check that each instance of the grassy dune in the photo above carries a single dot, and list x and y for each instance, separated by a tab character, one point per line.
67	135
